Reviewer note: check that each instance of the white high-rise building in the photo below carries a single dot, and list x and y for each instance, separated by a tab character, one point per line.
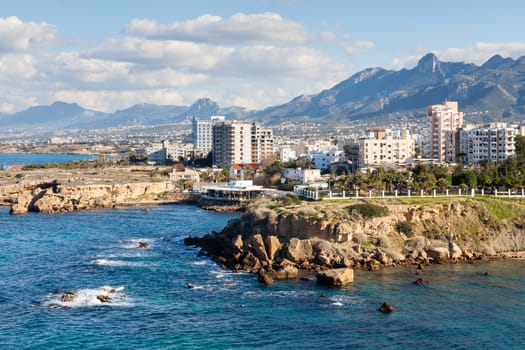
203	133
493	142
445	121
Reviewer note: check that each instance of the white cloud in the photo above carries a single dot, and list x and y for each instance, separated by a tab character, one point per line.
477	54
277	62
359	46
482	51
15	67
16	35
238	29
77	71
168	52
328	37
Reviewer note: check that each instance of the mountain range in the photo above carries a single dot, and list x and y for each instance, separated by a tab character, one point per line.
492	91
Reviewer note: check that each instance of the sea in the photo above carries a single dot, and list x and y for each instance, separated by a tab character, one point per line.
9	159
464	306
136	257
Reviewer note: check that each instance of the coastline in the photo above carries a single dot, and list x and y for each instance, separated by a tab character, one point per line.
278	242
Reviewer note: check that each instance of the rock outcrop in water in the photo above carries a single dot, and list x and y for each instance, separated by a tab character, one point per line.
273	240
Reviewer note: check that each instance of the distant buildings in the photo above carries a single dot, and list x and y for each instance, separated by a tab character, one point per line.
452	142
165	151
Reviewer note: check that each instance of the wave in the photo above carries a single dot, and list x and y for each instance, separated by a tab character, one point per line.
88	297
137	243
117	263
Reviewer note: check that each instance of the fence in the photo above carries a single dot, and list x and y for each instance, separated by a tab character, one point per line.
329	195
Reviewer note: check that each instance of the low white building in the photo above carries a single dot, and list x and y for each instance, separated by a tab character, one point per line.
287	154
322	160
301	176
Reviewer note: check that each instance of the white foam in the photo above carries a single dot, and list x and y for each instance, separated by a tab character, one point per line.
116	263
134	243
201	263
89	297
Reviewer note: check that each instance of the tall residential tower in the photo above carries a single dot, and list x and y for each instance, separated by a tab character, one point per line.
445	120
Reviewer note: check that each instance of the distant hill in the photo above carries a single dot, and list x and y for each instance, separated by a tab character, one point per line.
61	115
492	91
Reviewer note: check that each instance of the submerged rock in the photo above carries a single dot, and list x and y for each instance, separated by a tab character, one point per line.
420	281
386	308
142	245
104	298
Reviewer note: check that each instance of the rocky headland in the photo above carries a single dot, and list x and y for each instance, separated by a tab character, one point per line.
57	191
279	241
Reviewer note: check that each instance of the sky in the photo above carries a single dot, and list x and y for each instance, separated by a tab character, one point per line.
108	55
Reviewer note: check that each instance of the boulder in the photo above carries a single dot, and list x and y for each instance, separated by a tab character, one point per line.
259	250
386	308
439	254
21	206
265	278
336	277
272	246
454	251
299	250
286	272
250	263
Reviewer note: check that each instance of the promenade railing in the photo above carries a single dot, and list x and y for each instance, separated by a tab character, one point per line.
330	195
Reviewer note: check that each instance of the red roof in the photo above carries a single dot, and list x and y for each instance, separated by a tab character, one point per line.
253	166
16	167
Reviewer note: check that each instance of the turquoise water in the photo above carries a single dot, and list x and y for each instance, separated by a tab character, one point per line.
8	159
152	308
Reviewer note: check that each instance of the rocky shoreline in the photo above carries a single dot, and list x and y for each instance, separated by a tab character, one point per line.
279	242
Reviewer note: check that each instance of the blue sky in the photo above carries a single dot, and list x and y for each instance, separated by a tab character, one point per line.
112	54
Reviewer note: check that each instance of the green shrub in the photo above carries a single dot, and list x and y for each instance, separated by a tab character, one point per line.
368	210
405	227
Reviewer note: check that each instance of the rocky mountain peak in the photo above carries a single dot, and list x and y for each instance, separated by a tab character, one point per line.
429	64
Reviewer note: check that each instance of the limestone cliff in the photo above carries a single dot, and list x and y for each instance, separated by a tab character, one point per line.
367	233
55	198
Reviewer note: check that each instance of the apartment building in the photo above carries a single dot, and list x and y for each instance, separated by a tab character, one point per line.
493	142
241	143
445	120
202	133
263	143
381	147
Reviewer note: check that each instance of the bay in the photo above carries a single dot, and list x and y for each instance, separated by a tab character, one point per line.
9	159
465	306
